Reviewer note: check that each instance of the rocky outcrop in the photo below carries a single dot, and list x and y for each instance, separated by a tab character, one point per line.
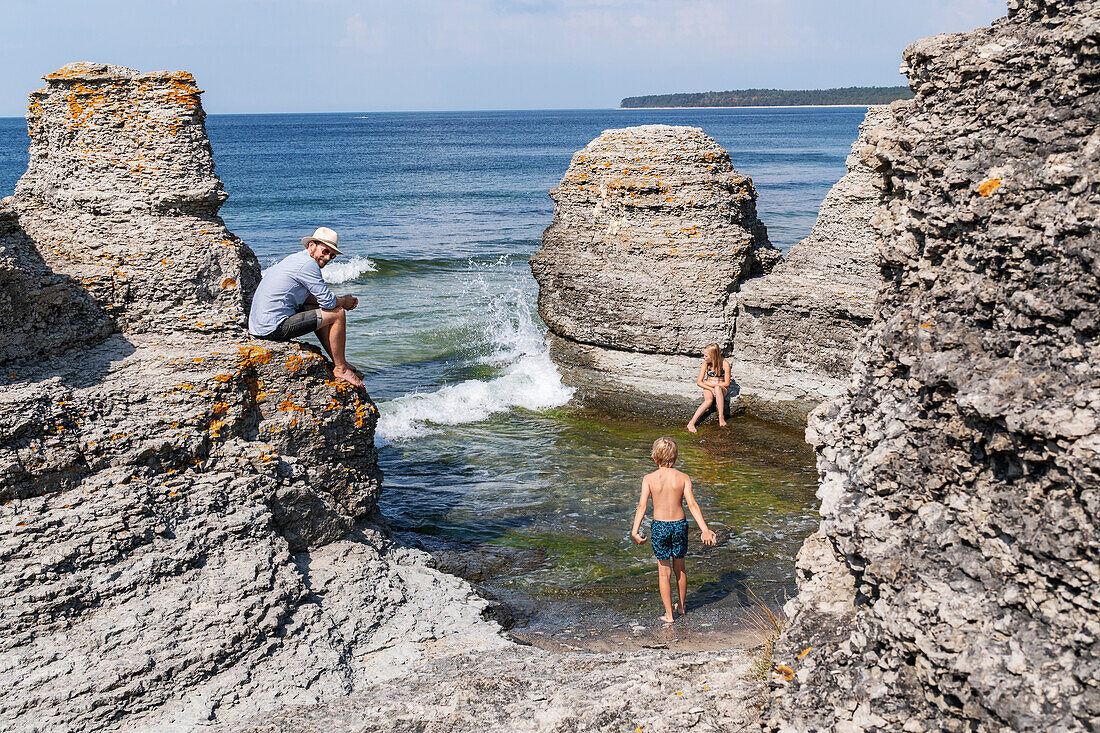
652	230
961	470
796	327
656	250
184	513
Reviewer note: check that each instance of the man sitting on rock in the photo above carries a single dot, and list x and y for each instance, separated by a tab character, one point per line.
293	300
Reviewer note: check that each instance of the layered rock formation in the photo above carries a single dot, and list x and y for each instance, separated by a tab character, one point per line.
652	229
796	328
656	250
954	582
176	500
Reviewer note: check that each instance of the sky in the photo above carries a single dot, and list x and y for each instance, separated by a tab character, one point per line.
254	56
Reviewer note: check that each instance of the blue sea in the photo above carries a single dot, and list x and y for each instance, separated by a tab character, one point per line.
488	460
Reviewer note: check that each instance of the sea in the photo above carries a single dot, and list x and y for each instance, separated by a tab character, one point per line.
490	461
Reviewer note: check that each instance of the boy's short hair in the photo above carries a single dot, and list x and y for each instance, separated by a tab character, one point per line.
664	451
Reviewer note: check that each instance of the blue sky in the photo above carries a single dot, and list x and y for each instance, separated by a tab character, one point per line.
339	55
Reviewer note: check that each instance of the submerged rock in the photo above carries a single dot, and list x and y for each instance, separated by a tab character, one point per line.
961	469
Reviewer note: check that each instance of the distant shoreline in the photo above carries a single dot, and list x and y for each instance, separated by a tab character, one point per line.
751	106
835	97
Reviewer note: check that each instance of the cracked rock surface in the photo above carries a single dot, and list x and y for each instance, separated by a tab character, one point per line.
954	582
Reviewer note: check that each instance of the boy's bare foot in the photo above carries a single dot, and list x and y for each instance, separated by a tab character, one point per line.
677	608
348	376
666	619
692	428
722	423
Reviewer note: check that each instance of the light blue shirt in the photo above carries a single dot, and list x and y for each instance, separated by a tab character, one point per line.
283	289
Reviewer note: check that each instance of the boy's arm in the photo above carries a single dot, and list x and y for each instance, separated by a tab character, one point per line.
639	513
709	538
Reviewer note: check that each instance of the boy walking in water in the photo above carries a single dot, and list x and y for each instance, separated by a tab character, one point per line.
669	489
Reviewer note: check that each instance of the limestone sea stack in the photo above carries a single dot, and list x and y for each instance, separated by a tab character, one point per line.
953	584
183	511
652	229
656	250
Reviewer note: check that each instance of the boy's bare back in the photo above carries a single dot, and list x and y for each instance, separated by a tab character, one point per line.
667	487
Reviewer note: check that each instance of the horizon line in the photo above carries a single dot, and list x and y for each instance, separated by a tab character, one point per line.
517	109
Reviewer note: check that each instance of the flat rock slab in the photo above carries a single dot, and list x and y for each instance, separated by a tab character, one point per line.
525	689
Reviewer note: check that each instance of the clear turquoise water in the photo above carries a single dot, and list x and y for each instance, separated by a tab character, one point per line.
487	461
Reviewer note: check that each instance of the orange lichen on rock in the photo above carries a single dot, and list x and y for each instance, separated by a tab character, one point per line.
289	405
988	187
228	283
251	356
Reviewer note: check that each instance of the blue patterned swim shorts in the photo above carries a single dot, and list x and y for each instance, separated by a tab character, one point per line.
670	539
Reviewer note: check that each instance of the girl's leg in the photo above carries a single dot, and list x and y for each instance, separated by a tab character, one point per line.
664	572
707	399
720	398
681	582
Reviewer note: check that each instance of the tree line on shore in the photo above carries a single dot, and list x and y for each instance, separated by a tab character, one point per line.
772	97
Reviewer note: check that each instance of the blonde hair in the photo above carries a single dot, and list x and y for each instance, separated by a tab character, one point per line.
712	353
664	452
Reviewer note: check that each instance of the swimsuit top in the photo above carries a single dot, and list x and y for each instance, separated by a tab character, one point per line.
711	375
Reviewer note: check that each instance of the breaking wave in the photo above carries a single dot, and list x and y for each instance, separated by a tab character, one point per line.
528	379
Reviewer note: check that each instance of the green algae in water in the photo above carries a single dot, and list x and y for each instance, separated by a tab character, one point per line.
564	484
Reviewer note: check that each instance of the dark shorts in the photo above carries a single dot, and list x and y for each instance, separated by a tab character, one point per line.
670	539
299	324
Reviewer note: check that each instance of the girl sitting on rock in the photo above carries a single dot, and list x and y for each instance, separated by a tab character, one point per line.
714	380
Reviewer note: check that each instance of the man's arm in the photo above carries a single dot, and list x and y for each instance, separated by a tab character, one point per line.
639	513
709	538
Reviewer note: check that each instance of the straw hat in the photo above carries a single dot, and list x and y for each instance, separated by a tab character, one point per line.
325	236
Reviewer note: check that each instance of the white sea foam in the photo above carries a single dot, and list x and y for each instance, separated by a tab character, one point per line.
337	272
528	379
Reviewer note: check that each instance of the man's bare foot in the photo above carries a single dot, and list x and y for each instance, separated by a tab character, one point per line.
722	423
348	376
677	608
666	619
692	428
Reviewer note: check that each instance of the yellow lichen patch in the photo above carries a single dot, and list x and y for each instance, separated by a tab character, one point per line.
804	652
222	378
361	413
197	360
220	408
927	324
288	405
294	362
988	187
228	283
784	673
690	231
252	356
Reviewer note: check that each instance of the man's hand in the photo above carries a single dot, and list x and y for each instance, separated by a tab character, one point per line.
638	539
709	538
349	302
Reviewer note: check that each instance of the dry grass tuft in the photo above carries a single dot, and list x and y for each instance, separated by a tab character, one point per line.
767	623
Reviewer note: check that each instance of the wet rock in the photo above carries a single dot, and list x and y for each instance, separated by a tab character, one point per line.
960	470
